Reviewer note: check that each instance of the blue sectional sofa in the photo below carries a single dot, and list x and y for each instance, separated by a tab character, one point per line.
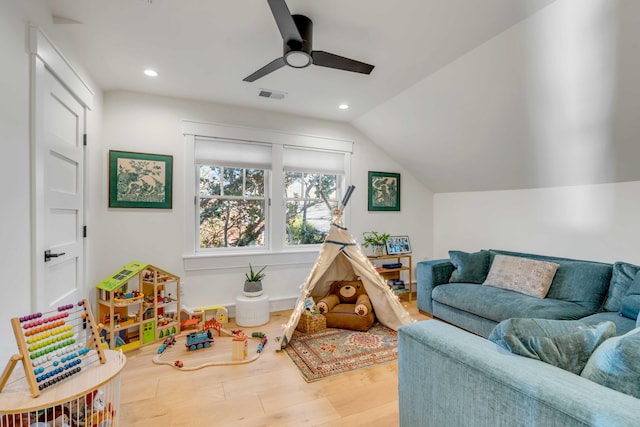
449	377
587	290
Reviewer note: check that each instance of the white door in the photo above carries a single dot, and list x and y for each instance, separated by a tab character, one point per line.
58	173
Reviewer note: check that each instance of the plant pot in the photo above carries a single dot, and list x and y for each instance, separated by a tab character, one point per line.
378	250
252	289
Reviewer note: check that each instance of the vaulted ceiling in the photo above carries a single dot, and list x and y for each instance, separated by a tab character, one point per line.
432	102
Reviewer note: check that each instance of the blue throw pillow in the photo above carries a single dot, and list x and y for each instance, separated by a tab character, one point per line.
630	305
615	364
567	344
621	279
469	267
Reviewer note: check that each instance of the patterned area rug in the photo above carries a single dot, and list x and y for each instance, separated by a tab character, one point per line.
335	351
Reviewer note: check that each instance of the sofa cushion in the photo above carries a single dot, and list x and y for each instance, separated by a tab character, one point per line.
469	267
566	344
630	305
582	282
615	364
623	324
621	279
524	275
499	304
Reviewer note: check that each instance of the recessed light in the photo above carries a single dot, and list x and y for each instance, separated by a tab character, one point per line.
343	106
151	73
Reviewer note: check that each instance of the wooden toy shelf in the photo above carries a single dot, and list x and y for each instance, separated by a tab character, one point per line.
396	273
138	305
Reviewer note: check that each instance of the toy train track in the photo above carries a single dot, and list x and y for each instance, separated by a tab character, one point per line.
220	355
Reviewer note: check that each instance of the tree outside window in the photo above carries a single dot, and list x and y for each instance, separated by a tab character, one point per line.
232	207
309	198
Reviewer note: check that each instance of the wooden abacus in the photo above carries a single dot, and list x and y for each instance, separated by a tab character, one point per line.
49	347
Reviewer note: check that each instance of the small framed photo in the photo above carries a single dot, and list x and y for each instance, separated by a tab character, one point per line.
397	245
384	191
140	180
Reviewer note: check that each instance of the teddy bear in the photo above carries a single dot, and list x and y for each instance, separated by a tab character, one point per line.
347	306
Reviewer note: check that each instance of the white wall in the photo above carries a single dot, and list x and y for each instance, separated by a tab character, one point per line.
145	123
552	101
15	173
594	222
559	90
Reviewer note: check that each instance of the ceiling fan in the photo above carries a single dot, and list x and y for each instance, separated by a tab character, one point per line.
297	35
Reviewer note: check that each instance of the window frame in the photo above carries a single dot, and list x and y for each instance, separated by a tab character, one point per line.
276	252
265	198
340	188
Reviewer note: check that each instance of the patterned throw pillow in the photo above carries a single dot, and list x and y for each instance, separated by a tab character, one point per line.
524	275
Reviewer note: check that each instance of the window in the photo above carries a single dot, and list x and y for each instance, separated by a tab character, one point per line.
260	191
313	181
232	206
309	199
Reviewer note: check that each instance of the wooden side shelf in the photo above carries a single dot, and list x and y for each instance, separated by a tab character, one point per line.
396	273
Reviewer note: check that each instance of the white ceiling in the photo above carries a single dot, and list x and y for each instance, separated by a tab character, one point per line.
203	49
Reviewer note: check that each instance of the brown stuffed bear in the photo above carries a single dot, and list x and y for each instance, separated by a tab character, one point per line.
347	306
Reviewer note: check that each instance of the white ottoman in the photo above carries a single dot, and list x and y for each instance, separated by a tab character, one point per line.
252	311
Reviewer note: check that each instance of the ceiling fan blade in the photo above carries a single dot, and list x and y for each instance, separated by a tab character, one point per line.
284	20
326	59
270	67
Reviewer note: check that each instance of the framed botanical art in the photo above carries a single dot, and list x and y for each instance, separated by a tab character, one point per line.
397	245
384	191
140	180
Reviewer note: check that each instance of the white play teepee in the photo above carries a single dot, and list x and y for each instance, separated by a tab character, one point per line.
342	258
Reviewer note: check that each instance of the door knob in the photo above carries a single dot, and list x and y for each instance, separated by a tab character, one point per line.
48	255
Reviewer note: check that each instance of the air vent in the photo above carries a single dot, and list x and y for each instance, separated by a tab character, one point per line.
273	94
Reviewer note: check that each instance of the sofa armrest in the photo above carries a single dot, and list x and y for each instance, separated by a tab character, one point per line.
450	377
430	274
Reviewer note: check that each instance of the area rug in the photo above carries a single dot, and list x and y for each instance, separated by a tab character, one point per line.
335	351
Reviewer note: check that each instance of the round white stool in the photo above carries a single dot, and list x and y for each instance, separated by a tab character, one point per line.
252	311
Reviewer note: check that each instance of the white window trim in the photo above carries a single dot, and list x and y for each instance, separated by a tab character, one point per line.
278	253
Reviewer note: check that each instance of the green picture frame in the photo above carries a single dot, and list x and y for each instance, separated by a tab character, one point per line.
140	180
384	191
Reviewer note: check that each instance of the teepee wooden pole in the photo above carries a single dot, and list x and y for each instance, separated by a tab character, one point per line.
345	199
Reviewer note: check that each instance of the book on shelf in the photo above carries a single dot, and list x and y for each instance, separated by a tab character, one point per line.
392	266
396	284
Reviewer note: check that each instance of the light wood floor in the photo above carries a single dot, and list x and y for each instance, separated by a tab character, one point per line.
267	392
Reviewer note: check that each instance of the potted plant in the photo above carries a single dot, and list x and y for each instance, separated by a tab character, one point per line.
377	241
253	284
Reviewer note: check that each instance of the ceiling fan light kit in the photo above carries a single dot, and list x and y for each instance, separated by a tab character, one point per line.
297	37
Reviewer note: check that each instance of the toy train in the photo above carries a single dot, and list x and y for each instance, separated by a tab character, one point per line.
168	342
198	340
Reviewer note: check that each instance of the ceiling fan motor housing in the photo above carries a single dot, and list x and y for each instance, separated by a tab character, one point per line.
296	54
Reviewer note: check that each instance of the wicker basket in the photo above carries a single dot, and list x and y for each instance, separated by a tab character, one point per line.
311	322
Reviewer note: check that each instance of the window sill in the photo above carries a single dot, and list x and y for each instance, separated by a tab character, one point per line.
218	261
